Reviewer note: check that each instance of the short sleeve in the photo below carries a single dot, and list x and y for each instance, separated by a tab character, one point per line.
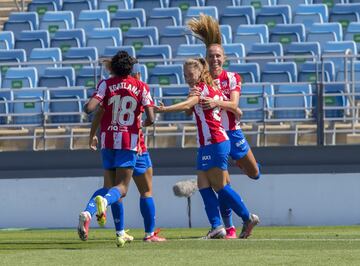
234	82
100	91
146	96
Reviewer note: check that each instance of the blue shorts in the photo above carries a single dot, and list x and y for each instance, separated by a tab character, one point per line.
213	155
113	159
143	162
239	144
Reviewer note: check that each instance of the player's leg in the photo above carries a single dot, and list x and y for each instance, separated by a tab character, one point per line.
226	215
249	165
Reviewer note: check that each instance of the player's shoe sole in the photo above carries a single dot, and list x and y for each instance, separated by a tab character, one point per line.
101	210
83	227
249	226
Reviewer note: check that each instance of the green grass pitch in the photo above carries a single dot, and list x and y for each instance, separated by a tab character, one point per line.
267	246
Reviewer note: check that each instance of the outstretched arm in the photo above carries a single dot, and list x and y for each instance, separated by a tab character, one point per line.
182	106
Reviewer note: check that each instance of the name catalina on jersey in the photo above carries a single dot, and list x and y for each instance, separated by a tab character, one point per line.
126	86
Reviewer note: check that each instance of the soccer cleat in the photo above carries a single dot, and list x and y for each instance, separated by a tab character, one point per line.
216	233
231	232
101	210
122	239
249	226
155	237
83	227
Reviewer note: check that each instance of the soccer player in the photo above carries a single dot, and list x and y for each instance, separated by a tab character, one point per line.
143	180
123	99
207	29
214	145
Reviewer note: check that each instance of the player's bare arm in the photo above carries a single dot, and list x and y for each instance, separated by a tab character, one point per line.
182	106
230	105
150	117
91	105
93	140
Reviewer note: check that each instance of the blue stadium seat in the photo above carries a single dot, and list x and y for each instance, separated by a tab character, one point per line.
310	14
293	3
4	110
353	33
257	4
250	34
88	77
312	72
138	37
17	78
29	40
163	17
89	19
42	8
143	72
161	52
110	51
221	5
237	15
58	3
287	34
45	54
249	72
100	38
336	49
80	54
31	17
279	72
324	32
76	6
303	51
167	75
273	15
194	12
17	26
345	14
353	75
226	34
60	105
174	36
264	52
234	50
7	40
65	39
328	3
289	105
252	101
127	19
32	109
184	5
191	50
178	94
335	101
15	55
148	4
54	21
113	6
304	102
55	77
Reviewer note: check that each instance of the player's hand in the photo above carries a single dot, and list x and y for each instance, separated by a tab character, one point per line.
159	108
194	91
208	103
93	143
238	114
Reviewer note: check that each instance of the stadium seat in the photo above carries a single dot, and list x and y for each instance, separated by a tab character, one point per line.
113	6
345	14
221	5
31	17
279	72
353	33
28	40
58	3
89	19
17	26
127	19
234	50
302	52
174	36
253	103
60	105
65	39
17	78
100	38
310	14
336	49
304	102
42	8
143	72
76	6
249	72
184	5
149	4
163	17
45	55
287	34
353	75
293	3
15	55
250	34
28	110
160	52
312	72
55	77
191	50
7	40
194	12
4	110
328	3
264	53
335	101
257	4
80	54
177	94
226	34
138	37
237	15
110	51
88	77
56	20
324	32
274	15
167	75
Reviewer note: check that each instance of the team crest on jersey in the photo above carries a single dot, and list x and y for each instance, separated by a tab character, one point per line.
224	83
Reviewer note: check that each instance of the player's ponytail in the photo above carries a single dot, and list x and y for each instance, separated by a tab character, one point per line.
205	74
206	29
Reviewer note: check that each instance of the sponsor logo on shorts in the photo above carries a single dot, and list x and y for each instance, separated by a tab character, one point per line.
206	157
240	143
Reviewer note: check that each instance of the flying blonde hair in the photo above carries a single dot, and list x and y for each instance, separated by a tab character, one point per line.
206	29
202	65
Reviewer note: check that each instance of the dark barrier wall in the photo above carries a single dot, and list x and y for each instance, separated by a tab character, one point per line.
330	159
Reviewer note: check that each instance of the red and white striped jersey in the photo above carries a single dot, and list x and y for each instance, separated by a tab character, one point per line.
123	100
210	129
142	145
228	82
